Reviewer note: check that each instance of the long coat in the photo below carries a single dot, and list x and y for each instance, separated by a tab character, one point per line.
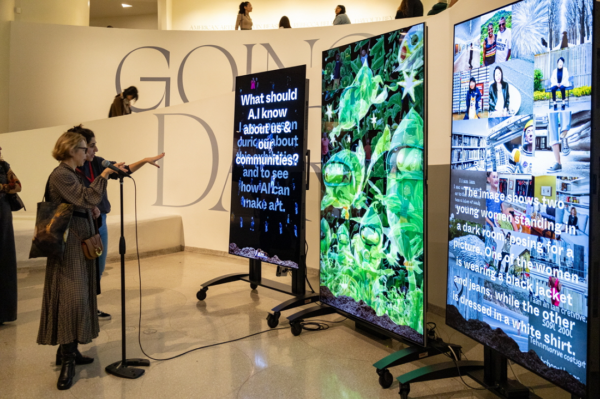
9	184
69	309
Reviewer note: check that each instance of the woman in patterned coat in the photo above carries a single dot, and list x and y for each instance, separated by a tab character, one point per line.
69	312
9	184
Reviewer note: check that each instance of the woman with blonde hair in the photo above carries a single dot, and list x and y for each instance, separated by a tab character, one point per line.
69	312
244	22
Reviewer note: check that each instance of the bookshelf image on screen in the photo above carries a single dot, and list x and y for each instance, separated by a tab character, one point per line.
373	162
519	231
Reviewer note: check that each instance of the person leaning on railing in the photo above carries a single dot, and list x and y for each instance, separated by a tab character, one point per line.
244	22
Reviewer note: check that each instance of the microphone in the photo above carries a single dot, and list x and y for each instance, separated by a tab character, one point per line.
106	163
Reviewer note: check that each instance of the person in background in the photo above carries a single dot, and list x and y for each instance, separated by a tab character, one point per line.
69	312
471	57
489	46
337	71
9	184
499	95
244	22
493	205
325	148
503	41
90	170
505	255
122	103
438	7
340	16
572	217
284	23
364	57
559	80
473	100
555	287
409	9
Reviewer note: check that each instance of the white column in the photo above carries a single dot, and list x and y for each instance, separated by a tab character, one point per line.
164	14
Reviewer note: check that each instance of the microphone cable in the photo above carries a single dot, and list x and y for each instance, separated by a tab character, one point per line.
314	326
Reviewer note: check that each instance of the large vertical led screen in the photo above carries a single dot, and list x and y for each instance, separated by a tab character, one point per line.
267	196
520	185
372	157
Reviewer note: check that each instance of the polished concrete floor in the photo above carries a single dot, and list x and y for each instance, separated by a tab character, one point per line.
336	363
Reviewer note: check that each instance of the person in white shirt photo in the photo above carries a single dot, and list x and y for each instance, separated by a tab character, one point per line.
503	41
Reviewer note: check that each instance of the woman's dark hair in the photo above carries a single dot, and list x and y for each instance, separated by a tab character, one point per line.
285	22
342	9
561	59
131	91
472	80
243	5
86	133
403	7
501	77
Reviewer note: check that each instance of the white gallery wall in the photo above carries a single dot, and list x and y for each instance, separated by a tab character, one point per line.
73	72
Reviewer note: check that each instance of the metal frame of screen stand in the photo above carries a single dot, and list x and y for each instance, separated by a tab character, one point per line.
494	376
254	275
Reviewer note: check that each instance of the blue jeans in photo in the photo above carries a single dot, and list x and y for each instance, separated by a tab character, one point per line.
104	237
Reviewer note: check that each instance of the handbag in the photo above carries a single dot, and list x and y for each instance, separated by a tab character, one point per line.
15	202
92	247
51	231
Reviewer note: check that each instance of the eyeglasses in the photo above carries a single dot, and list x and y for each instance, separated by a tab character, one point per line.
82	148
502	24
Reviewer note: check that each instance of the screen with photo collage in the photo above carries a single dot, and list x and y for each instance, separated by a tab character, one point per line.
373	164
520	185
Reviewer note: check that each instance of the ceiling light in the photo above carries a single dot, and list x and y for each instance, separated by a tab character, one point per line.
126	5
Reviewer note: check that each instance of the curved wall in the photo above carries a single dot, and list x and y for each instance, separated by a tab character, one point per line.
62	75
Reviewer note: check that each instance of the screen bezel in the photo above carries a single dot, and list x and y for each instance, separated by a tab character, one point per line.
301	69
355	318
593	299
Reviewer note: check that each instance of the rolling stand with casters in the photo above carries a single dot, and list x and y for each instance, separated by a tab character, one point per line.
254	277
297	318
124	368
411	354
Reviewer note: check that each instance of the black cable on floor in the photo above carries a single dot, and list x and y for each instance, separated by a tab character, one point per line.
306	275
137	247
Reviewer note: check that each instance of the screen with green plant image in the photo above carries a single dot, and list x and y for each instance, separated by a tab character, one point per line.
373	160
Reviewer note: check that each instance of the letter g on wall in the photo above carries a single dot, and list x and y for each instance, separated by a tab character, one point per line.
166	80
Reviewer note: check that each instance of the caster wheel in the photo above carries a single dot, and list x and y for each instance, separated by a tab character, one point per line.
385	378
253	286
404	391
201	295
273	319
296	328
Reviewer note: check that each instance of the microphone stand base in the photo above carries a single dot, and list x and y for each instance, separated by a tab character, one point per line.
124	369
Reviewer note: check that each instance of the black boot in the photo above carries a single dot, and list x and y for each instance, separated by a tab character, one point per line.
65	381
79	358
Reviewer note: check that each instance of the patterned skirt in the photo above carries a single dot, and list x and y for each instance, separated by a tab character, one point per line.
69	308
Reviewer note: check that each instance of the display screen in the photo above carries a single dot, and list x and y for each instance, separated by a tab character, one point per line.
267	190
520	185
373	160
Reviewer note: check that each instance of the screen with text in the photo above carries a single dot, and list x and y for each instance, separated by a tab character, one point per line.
520	185
267	209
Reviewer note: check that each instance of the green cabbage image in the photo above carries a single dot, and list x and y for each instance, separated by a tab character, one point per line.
372	205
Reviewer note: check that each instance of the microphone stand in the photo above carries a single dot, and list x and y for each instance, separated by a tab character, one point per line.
123	368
